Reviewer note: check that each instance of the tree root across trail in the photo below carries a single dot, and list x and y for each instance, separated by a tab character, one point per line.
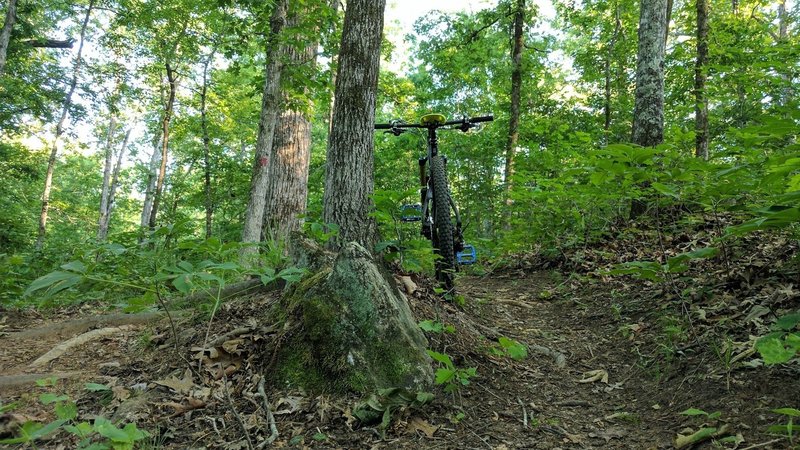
595	376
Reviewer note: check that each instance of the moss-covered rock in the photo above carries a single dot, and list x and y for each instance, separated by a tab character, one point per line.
356	330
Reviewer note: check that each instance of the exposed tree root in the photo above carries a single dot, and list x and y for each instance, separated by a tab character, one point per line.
73	327
63	347
7	381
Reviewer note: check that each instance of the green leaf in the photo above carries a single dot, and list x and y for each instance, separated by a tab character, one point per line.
694	412
442	358
431	326
444	375
183	283
54	282
513	348
789	321
787	412
48	398
664	189
107	429
44	382
75	266
773	351
81	430
47	429
96	387
66	410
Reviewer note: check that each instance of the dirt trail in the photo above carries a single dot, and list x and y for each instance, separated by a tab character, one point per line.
613	389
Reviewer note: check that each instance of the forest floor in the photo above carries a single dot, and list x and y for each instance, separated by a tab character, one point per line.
612	363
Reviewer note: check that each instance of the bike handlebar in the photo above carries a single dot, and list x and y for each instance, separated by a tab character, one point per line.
465	123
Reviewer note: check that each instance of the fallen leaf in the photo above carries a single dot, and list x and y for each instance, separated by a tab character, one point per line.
120	393
594	375
418	424
232	346
181	386
291	404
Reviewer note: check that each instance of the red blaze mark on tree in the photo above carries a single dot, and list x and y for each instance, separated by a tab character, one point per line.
263	161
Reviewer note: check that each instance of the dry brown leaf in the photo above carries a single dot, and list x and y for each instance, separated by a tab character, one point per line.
418	424
181	386
120	393
594	375
232	346
291	404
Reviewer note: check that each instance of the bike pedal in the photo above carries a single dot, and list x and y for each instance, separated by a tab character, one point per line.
411	213
467	256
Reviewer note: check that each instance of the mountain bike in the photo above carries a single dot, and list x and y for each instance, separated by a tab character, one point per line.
436	208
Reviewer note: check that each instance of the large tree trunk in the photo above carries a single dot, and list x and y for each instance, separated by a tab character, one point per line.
648	116
288	182
350	159
291	150
351	330
51	162
5	34
106	189
270	106
209	204
172	80
516	94
700	73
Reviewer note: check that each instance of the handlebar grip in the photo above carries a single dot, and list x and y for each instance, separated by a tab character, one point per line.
488	118
383	126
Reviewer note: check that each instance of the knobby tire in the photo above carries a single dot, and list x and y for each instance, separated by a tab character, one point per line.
442	225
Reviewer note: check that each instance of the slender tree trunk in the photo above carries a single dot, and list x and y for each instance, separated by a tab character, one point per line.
334	63
112	191
700	69
150	187
350	159
5	34
270	107
107	168
785	96
51	162
172	80
648	116
670	4
607	71
112	194
516	94
209	204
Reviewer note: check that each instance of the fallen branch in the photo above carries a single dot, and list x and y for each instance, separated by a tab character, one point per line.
73	327
236	413
89	336
515	303
703	434
236	332
7	381
273	429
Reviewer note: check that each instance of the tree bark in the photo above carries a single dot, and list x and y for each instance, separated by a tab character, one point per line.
115	181
51	162
291	151
172	80
700	69
106	189
5	34
516	94
648	116
270	106
209	204
150	187
349	182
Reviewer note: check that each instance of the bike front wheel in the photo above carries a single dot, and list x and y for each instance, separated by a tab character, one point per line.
442	235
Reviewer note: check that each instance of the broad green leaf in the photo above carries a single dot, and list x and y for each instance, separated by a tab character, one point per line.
431	326
694	412
48	398
789	321
54	282
787	412
773	351
75	266
440	357
66	410
96	387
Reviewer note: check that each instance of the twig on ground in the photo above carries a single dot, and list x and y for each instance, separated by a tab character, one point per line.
63	347
236	413
763	444
270	418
